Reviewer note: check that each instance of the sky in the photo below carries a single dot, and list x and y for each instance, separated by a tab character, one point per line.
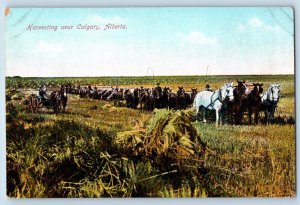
155	41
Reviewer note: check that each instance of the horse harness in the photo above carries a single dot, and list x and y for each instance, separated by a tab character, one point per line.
270	102
213	101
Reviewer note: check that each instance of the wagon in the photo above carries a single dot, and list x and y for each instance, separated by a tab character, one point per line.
35	103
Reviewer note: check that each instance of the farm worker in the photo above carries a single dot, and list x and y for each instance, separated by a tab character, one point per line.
207	88
43	93
142	89
158	88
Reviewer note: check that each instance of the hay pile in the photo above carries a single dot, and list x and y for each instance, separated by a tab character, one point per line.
170	139
72	158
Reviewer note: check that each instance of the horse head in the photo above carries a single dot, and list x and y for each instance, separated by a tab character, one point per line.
166	91
273	93
227	92
257	86
260	88
180	91
194	92
241	89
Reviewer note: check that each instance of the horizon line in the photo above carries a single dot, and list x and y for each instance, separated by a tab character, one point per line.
105	76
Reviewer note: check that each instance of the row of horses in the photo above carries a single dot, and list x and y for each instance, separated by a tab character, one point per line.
229	100
145	98
236	100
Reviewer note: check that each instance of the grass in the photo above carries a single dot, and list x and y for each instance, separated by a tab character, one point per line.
97	150
171	81
250	161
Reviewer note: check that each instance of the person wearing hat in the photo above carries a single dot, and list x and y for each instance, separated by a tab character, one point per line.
207	88
142	89
158	88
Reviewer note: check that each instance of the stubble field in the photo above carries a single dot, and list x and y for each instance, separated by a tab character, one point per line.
91	150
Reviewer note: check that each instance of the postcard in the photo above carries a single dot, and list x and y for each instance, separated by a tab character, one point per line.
150	102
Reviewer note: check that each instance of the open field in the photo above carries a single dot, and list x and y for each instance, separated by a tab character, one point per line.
90	150
186	81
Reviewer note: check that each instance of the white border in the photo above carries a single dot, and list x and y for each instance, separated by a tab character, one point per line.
131	3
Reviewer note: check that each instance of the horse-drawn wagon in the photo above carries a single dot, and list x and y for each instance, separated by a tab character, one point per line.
57	100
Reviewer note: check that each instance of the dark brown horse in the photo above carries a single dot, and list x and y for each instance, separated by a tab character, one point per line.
55	99
254	102
165	97
181	98
132	98
237	107
193	95
146	101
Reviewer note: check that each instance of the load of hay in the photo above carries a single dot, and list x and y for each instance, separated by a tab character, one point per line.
169	140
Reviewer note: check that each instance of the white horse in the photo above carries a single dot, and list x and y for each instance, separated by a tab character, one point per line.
269	101
213	100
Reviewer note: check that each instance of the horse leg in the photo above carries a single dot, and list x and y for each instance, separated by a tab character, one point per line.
249	116
217	117
221	117
266	117
197	112
59	105
203	112
231	117
272	114
55	107
241	117
256	113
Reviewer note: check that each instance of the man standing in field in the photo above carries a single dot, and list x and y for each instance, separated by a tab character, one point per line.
207	88
158	88
43	93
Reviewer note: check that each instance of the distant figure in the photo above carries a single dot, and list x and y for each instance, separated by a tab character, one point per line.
180	92
158	88
142	90
43	93
207	88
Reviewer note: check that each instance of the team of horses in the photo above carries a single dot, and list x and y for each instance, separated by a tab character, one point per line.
230	100
236	100
147	99
57	101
